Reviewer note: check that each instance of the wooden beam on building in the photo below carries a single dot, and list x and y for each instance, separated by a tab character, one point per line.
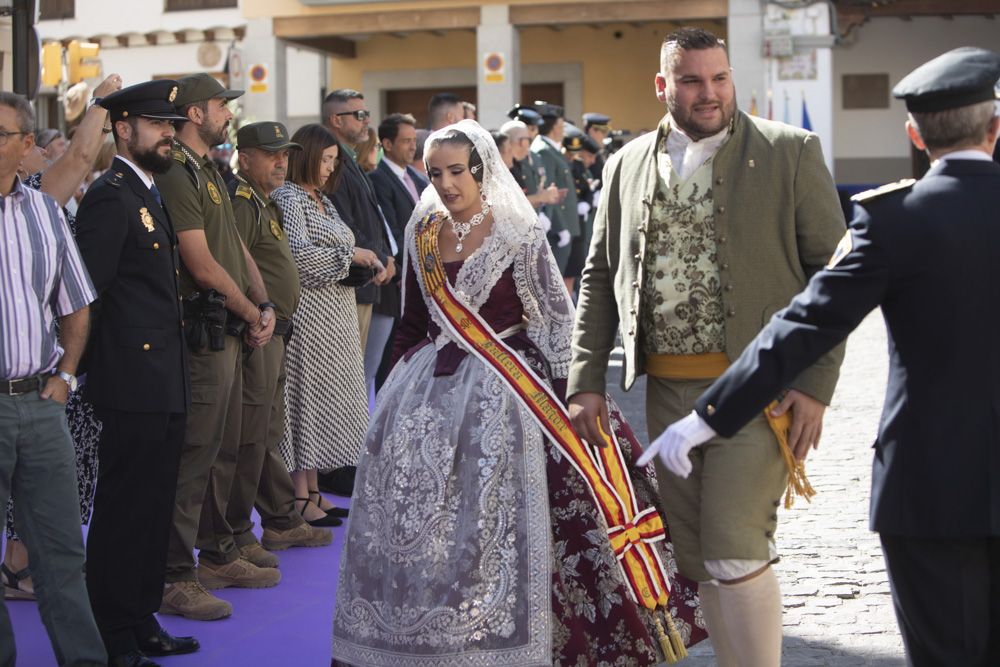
335	46
618	12
317	25
852	13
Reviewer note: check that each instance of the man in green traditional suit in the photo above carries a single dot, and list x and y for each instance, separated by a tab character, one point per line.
707	226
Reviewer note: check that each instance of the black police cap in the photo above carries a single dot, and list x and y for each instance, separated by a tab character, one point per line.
593	118
958	78
546	110
152	99
526	115
579	141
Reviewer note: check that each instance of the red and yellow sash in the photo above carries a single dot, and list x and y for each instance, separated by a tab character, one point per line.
632	530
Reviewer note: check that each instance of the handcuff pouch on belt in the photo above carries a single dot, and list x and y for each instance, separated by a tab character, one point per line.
205	320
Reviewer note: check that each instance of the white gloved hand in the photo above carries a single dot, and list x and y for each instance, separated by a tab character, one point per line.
545	222
676	442
564	238
582	209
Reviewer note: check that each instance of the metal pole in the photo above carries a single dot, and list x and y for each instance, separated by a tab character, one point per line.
21	21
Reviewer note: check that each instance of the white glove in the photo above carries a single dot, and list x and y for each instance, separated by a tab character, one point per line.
674	444
582	209
545	222
564	238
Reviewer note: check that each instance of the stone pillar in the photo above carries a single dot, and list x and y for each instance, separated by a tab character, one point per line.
745	39
261	47
498	65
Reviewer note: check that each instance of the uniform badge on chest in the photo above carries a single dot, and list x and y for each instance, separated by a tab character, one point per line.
276	230
146	219
213	192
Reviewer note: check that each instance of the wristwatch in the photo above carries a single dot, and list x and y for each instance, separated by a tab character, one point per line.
267	304
68	379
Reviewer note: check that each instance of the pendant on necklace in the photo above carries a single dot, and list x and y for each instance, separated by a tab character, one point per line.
458	248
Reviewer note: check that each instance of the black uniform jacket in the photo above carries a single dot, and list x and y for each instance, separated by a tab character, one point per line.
355	201
929	255
397	205
136	360
395	200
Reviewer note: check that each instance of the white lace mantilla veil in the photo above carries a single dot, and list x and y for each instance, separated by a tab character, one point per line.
516	238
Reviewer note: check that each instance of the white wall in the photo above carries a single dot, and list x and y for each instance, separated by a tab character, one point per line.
894	47
140	63
113	17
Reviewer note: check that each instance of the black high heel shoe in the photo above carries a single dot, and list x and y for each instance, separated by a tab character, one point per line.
340	512
324	522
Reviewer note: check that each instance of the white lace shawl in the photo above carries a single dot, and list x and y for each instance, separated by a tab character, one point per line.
516	239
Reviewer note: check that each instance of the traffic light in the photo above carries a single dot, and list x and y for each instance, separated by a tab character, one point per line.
52	63
79	61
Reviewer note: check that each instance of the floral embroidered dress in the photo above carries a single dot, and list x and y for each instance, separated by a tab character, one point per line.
472	542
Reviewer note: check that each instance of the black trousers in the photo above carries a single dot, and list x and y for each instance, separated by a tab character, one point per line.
139	455
947	598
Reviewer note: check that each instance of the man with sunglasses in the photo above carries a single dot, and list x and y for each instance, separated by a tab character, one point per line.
344	114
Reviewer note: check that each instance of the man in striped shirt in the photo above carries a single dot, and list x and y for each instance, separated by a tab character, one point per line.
41	278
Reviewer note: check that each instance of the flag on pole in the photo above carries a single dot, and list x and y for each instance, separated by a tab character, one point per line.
806	123
770	104
753	103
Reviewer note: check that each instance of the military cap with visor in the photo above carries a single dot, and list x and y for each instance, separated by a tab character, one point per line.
202	87
958	78
546	110
151	99
599	120
267	136
526	115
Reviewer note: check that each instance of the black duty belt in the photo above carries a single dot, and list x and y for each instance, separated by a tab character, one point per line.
23	385
282	327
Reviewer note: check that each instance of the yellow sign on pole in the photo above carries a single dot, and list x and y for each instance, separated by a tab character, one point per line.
52	64
494	65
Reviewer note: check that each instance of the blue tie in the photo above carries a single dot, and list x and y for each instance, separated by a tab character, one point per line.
156	195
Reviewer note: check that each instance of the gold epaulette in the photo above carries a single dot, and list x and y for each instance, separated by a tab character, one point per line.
178	155
868	195
244	191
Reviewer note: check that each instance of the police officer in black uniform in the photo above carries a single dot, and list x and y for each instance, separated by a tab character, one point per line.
928	253
137	376
597	126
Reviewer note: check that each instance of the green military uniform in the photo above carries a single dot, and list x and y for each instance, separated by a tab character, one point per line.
262	474
194	194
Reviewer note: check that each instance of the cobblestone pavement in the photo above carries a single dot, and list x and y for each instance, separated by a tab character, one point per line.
838	611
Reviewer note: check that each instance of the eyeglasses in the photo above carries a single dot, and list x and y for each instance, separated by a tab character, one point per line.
5	135
360	114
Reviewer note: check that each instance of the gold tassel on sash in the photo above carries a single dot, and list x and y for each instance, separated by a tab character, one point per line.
712	365
797	480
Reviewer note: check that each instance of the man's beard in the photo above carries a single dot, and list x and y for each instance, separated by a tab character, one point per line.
698	130
150	159
216	137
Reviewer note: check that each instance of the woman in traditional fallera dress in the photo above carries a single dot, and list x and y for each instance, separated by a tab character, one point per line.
473	540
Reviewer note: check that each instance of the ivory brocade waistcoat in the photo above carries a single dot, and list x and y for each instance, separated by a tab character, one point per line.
681	307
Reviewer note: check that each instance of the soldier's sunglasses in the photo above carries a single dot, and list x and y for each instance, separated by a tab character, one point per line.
359	115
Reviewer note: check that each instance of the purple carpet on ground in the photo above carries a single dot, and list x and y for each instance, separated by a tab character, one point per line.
283	626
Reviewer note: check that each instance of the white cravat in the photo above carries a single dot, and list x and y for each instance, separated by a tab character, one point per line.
687	155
